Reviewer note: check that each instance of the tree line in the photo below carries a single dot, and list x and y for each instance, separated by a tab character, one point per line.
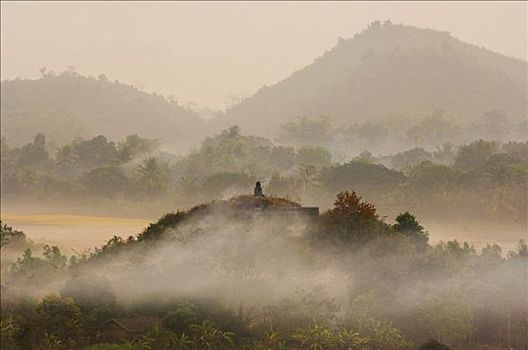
483	179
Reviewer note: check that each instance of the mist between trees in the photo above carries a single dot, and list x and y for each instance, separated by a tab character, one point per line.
220	275
482	181
225	276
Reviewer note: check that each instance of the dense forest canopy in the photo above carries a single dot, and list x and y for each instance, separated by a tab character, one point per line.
479	181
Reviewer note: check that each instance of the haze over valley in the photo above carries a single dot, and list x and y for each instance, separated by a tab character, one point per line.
305	175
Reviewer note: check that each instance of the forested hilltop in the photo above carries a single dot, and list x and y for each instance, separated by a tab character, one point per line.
68	105
391	72
238	274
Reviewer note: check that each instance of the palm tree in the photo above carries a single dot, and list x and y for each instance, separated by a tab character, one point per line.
158	338
153	176
208	336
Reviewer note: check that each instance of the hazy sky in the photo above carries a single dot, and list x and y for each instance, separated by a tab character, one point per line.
203	52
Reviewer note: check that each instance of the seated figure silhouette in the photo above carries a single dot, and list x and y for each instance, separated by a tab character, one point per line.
258	190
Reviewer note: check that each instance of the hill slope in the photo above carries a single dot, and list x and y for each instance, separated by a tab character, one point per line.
390	70
69	105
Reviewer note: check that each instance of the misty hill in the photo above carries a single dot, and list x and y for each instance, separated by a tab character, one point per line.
69	105
387	71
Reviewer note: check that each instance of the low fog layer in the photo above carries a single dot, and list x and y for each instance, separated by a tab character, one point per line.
280	272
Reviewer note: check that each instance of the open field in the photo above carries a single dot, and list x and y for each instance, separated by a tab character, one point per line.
74	231
83	231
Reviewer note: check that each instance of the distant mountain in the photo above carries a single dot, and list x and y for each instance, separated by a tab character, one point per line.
69	105
389	70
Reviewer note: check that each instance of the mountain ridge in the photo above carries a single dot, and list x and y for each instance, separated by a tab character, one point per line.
388	72
70	105
403	54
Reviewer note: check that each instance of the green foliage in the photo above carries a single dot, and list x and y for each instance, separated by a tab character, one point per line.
180	319
453	254
317	338
7	335
492	252
447	317
92	167
51	342
152	177
112	246
134	146
94	296
360	175
351	221
521	251
427	177
96	152
34	269
232	152
155	231
107	181
54	256
350	206
10	236
407	224
378	334
307	308
228	151
474	156
383	335
269	341
232	162
502	169
313	156
517	150
208	336
61	321
407	159
160	338
32	154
